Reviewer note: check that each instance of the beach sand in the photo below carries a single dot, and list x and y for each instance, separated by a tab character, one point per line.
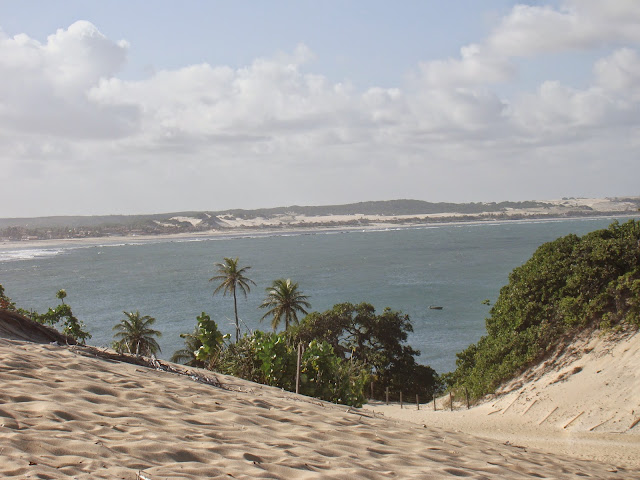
65	413
583	402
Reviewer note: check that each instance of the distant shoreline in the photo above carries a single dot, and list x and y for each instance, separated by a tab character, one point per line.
364	216
268	231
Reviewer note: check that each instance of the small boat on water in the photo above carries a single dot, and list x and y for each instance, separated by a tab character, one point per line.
435	307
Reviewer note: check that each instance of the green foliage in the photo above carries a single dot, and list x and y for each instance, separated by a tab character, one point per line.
71	326
284	301
5	301
202	347
377	341
61	295
210	338
325	375
268	358
568	285
187	355
134	335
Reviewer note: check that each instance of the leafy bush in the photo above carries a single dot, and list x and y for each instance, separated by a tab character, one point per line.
270	359
210	339
568	285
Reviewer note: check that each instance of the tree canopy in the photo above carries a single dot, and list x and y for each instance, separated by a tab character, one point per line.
378	341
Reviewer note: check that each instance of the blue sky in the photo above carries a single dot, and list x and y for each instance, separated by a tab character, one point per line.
136	106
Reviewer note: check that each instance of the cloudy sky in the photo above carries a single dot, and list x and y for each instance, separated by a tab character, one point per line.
130	106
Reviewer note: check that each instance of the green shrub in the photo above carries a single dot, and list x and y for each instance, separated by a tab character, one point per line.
568	285
269	358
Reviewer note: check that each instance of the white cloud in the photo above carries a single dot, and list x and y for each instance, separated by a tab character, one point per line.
475	66
620	72
581	24
43	87
185	138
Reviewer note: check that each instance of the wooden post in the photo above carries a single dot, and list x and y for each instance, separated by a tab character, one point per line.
400	399
434	402
386	394
451	400
466	392
371	397
417	402
298	368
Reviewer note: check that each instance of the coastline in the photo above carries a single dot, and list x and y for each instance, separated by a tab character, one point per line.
342	225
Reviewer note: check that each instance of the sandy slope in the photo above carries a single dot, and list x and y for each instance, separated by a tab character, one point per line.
584	402
66	414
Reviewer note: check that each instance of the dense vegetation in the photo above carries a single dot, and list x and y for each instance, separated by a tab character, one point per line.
376	341
343	350
570	284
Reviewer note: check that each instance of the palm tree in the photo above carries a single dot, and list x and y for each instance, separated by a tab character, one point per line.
231	277
136	335
61	295
284	300
187	355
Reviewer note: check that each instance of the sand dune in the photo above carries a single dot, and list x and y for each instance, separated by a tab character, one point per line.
67	414
583	402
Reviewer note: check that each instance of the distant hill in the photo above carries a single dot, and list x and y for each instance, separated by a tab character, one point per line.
363	213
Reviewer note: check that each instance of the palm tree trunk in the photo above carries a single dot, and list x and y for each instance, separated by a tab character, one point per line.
235	308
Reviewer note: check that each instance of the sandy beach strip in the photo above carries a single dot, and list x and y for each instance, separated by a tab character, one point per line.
584	403
264	228
67	414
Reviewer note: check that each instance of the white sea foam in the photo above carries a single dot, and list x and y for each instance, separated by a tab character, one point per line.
29	254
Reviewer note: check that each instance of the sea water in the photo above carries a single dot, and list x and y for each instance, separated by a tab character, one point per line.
453	266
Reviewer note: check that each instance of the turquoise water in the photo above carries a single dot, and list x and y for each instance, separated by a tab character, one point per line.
453	266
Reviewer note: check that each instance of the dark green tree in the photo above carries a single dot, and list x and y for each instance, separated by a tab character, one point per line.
284	300
135	335
231	278
377	341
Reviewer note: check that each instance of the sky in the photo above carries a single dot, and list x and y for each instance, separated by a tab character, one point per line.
130	106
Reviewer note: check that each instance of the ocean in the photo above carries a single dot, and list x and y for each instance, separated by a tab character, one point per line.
453	266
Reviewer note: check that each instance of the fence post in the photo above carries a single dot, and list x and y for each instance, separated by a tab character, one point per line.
298	368
451	400
466	392
401	399
434	402
417	402
371	390
386	394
